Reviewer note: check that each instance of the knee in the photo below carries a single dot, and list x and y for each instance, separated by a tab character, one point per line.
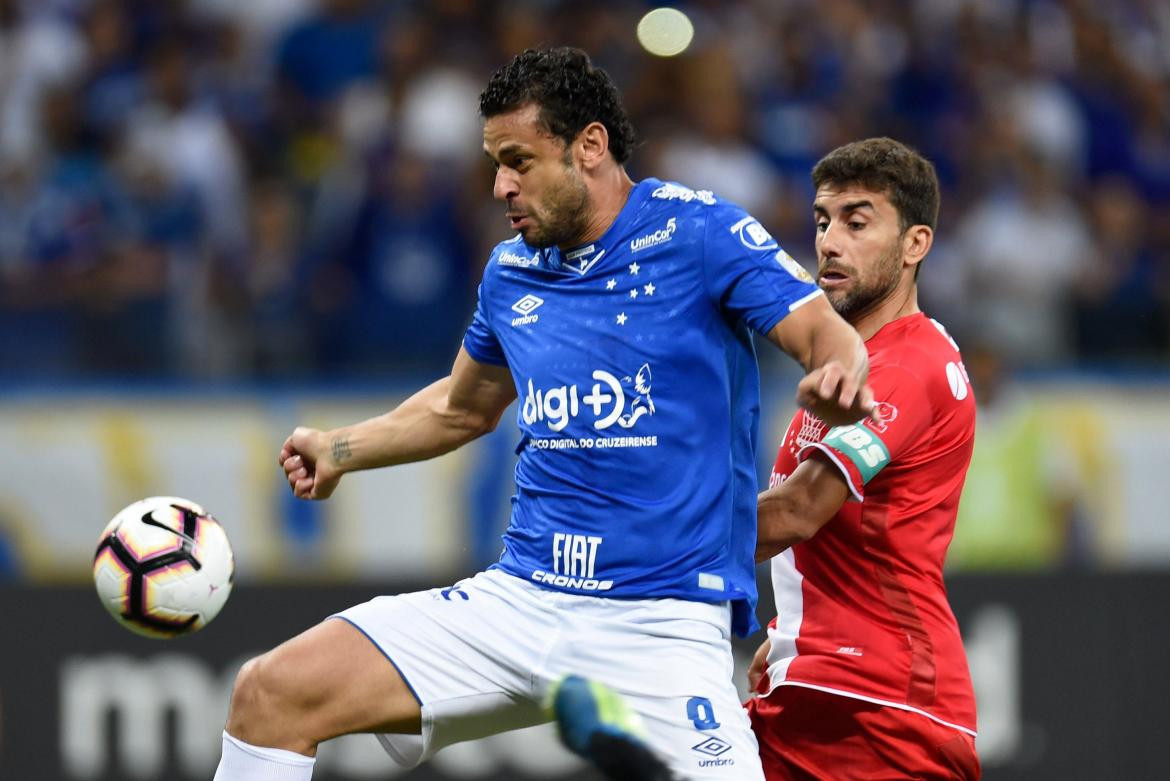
256	698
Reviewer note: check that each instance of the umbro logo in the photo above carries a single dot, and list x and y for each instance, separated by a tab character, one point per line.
525	305
712	747
525	308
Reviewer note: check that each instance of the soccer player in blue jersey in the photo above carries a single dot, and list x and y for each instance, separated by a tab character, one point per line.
621	316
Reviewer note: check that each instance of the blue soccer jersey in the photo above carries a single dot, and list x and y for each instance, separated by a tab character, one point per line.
638	397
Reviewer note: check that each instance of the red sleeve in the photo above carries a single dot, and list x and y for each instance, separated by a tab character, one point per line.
862	450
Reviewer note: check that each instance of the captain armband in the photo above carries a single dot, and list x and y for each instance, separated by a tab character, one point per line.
861	446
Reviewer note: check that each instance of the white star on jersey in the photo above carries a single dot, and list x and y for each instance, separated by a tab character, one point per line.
621	319
634	269
610	285
648	288
634	293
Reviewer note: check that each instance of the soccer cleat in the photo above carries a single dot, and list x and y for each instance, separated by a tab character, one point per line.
595	724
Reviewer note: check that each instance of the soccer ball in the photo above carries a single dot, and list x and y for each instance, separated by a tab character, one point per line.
163	567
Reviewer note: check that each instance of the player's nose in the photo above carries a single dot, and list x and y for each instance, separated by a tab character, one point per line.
828	242
506	186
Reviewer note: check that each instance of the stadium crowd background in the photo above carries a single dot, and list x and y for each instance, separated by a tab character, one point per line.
220	218
202	191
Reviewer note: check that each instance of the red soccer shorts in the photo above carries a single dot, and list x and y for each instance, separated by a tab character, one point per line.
809	735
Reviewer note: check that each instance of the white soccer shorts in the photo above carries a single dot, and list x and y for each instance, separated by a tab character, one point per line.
481	655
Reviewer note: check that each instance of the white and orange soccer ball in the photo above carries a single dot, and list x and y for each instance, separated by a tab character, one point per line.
163	567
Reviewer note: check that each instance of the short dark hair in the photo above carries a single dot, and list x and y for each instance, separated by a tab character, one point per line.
886	166
570	91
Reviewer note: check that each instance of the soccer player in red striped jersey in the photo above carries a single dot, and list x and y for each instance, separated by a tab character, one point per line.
863	675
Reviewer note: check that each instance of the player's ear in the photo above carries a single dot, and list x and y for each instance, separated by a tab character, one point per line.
592	145
916	242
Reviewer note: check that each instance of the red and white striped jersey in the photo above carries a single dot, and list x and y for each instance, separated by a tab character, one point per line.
861	607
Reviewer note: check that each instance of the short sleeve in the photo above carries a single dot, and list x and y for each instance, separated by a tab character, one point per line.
480	340
863	449
747	274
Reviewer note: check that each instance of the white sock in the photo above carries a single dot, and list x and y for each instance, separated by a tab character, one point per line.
243	762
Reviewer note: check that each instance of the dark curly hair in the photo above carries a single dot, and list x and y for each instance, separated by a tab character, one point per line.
570	91
886	166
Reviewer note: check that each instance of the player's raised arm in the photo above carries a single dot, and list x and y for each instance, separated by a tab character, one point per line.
833	354
437	419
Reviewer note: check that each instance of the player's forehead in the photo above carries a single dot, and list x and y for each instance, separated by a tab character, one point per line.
519	129
834	197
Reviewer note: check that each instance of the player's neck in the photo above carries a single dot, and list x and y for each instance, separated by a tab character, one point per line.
900	303
610	194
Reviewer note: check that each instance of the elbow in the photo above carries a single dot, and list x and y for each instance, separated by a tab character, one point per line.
487	426
783	535
475	424
472	426
780	526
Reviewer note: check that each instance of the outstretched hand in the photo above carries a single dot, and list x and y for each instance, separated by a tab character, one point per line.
834	395
310	467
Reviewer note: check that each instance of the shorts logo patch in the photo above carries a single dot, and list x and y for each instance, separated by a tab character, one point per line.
712	747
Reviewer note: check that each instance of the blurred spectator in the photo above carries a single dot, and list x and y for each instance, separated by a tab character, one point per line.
398	291
1123	306
58	239
1024	245
38	51
709	149
271	296
331	49
187	138
114	84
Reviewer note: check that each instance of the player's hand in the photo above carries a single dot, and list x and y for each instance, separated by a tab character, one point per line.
308	463
834	395
758	670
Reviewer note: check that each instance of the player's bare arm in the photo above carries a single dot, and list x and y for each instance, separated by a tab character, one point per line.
834	356
796	509
439	418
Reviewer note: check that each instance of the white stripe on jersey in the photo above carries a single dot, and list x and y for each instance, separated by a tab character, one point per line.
787	582
874	700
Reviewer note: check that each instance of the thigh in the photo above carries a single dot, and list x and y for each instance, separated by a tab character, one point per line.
466	653
325	682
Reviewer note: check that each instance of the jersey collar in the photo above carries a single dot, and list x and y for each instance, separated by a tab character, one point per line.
582	258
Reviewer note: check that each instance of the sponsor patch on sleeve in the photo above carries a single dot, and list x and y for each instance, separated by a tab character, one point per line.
792	267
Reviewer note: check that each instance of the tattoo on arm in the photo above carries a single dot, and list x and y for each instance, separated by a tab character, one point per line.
341	449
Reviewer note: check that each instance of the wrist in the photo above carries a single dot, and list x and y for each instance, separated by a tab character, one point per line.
340	451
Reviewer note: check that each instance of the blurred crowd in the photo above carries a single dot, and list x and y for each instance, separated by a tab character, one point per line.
295	188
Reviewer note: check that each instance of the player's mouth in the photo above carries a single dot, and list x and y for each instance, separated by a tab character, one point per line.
518	220
832	277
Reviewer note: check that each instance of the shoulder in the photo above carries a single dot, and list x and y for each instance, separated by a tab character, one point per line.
721	218
926	359
679	197
511	253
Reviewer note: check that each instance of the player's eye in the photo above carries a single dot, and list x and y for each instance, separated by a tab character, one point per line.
855	225
822	226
